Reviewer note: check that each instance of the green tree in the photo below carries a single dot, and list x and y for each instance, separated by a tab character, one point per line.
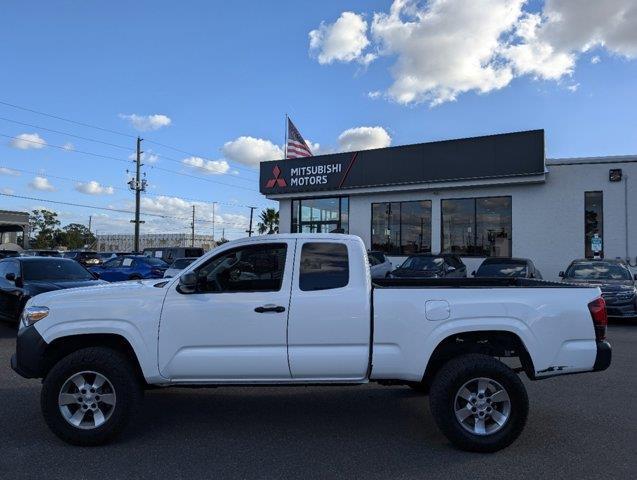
75	236
44	226
269	221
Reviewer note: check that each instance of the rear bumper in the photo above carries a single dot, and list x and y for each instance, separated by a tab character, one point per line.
28	360
603	357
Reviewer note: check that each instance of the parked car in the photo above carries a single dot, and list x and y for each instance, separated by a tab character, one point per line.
9	253
88	259
425	265
130	267
507	267
301	309
169	254
106	256
613	277
379	264
177	266
40	253
24	277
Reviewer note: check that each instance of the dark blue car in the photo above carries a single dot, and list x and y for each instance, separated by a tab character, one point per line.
131	267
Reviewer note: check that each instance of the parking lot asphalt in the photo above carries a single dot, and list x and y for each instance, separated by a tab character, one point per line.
580	426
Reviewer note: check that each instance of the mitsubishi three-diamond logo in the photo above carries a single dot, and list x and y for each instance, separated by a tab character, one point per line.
277	180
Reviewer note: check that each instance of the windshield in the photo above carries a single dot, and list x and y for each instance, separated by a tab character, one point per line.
181	263
502	270
598	271
53	270
423	263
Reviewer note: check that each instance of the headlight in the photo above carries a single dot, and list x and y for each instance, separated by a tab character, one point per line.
30	315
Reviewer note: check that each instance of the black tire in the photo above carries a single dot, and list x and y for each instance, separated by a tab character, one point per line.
448	382
120	373
135	277
420	387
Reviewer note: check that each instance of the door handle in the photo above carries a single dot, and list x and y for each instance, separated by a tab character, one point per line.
270	308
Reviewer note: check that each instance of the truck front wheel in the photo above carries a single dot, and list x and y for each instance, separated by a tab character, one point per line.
89	396
479	403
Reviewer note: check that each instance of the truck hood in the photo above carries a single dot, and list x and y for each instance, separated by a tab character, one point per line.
100	291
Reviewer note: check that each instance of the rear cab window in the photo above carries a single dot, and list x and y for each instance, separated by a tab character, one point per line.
323	266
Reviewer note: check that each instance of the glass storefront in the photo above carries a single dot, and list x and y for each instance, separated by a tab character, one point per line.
320	215
401	228
477	226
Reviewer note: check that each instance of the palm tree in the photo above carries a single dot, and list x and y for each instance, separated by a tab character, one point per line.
269	221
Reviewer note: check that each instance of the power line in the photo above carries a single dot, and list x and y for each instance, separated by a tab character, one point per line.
108	157
12	105
72	135
110	209
84	124
61	147
123	189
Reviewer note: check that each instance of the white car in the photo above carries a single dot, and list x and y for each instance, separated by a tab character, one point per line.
178	265
379	264
302	309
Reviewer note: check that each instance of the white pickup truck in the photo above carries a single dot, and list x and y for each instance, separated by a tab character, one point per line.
302	309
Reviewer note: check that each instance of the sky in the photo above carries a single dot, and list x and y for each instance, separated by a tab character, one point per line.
207	86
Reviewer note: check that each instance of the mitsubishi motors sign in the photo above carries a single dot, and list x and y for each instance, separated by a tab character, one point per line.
493	156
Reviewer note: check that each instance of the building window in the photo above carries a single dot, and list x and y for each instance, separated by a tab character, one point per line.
320	215
477	226
594	224
402	228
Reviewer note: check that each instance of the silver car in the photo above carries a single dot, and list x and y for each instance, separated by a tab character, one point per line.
379	264
178	265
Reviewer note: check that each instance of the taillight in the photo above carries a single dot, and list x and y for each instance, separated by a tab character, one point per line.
600	319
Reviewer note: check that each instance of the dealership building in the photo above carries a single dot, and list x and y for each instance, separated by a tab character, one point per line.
496	195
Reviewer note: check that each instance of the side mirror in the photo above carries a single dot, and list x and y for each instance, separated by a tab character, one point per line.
188	283
10	276
562	274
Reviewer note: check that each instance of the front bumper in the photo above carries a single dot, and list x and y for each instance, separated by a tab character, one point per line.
28	360
628	310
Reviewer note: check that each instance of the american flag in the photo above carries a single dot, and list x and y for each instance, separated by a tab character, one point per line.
296	146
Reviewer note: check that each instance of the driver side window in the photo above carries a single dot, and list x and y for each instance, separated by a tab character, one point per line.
254	268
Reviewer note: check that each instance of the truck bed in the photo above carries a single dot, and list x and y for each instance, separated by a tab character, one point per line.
469	282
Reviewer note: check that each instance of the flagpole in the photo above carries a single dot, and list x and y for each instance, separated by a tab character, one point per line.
285	148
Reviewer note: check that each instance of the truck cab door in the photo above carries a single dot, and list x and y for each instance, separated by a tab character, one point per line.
330	312
233	326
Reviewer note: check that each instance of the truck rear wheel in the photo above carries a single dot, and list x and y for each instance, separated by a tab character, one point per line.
479	403
89	396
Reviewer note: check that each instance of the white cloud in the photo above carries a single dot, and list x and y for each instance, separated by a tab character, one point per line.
68	146
9	171
341	41
251	151
572	88
7	191
25	141
595	59
375	94
214	167
94	188
444	48
42	184
363	138
146	123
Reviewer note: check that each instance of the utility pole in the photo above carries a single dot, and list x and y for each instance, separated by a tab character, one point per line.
213	220
192	226
138	185
90	220
249	230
